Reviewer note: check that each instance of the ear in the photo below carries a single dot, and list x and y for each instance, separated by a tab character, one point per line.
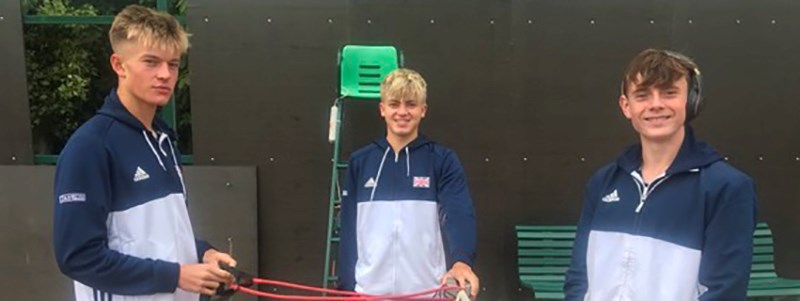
424	110
117	65
625	106
382	109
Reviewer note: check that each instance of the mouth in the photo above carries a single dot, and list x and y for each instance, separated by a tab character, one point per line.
658	118
163	90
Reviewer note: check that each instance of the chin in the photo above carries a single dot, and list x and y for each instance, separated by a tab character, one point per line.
401	133
660	135
159	102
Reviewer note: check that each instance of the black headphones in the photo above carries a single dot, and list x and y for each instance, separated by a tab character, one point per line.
694	99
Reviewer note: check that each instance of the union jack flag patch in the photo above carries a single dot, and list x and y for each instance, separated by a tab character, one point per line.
422	182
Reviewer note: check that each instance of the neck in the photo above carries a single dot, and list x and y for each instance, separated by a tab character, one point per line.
142	111
398	142
657	156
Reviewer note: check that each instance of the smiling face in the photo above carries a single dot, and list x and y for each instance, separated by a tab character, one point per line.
403	104
657	113
654	94
403	115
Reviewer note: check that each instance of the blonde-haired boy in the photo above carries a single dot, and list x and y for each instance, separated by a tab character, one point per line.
407	219
121	229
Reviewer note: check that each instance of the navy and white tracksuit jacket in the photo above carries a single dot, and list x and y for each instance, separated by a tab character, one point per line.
121	225
405	218
687	235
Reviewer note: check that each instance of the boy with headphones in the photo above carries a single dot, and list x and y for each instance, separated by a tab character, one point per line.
669	219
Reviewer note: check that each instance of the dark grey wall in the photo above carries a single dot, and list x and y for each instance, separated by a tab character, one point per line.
263	102
27	265
222	205
15	132
525	91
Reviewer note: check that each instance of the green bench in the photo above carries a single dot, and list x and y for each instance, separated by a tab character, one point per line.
544	252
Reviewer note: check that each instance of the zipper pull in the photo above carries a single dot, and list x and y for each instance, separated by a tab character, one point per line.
642	197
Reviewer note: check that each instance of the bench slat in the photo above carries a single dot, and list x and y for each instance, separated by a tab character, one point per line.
544	254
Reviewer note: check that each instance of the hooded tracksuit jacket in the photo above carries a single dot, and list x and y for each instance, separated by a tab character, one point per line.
405	218
121	226
687	235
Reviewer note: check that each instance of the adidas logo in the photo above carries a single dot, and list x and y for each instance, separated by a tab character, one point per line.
140	175
370	183
611	197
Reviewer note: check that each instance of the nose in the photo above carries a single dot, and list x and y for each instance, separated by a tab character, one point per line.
402	110
656	103
163	72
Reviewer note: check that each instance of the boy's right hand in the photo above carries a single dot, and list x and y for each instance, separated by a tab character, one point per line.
202	278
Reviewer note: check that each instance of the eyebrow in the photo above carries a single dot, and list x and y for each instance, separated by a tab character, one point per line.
668	87
663	88
154	57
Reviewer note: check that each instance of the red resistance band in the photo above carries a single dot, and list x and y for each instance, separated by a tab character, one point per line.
244	280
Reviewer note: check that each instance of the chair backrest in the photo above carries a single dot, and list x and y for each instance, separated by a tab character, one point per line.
544	252
763	253
362	68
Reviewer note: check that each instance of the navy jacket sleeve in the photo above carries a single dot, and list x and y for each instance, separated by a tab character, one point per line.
576	283
348	251
80	236
728	245
459	213
202	247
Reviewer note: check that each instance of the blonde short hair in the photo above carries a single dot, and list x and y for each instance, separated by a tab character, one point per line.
150	27
404	83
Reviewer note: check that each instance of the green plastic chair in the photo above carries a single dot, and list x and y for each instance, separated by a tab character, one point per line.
362	68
